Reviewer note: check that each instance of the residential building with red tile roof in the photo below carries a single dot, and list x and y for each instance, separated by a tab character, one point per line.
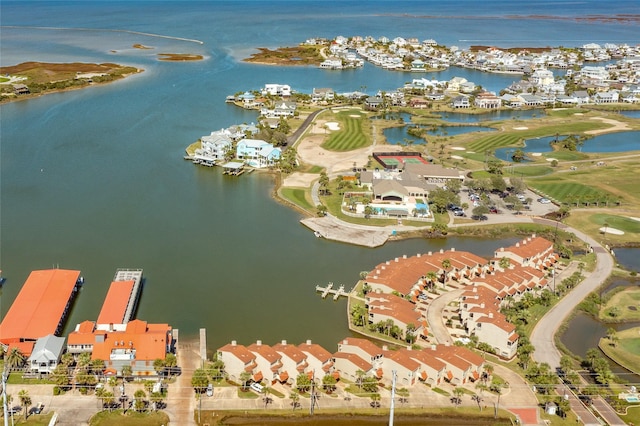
383	307
406	368
432	370
294	361
39	309
269	363
318	358
348	364
533	251
237	358
463	365
363	348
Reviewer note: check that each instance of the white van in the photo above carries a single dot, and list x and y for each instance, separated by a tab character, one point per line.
257	387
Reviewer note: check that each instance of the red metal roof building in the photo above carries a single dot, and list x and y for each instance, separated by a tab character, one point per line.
40	308
114	308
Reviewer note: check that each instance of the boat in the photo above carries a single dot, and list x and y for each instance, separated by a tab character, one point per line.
317	234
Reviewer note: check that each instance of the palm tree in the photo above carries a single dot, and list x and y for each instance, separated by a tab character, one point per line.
25	401
431	277
158	366
606	226
295	397
504	263
15	359
446	264
245	376
360	374
457	399
139	401
612	335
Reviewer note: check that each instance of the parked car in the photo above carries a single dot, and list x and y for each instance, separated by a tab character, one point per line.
544	200
482	217
257	387
37	409
521	197
210	390
459	213
493	210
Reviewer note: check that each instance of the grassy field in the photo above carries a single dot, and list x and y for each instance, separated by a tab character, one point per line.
627	351
352	134
297	196
530	171
618	222
499	140
132	418
568	192
628	303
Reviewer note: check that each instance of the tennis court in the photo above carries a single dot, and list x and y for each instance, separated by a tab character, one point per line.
397	161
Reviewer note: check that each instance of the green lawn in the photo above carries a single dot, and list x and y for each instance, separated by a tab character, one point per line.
618	222
297	196
529	171
568	192
491	142
627	351
351	134
624	302
132	418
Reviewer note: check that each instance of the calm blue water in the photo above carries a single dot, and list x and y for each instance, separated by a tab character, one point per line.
396	135
632	114
461	117
95	180
610	142
629	258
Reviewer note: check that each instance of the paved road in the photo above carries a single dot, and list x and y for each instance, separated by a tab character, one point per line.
542	335
435	317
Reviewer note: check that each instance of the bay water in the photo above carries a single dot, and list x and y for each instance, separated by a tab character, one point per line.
94	179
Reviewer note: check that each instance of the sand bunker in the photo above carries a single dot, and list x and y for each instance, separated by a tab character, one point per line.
521	128
355	115
634	218
535	154
613	231
298	179
457	157
458	148
617	126
332	125
551	159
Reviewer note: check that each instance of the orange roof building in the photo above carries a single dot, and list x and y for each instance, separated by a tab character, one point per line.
114	308
40	308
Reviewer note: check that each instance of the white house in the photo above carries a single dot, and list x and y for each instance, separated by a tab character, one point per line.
46	354
257	153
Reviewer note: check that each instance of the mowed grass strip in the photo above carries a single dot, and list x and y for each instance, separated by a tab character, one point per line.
568	192
491	142
627	351
297	196
351	134
618	222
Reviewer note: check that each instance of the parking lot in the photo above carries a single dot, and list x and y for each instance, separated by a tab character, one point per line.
499	209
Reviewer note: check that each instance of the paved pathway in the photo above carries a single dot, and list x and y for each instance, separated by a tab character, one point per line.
181	401
435	317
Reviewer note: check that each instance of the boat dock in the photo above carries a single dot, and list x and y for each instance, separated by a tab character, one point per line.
120	304
336	293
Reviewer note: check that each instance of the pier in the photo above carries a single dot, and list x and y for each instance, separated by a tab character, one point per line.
329	290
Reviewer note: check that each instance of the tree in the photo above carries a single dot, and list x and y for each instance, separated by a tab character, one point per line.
294	397
478	399
158	366
127	373
518	156
321	210
498	184
457	396
329	383
360	375
517	185
431	277
139	402
494	166
303	383
504	263
199	380
25	401
171	362
60	376
324	183
480	211
15	359
245	377
454	185
156	399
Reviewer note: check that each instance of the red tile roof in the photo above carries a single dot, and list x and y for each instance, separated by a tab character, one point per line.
115	304
40	306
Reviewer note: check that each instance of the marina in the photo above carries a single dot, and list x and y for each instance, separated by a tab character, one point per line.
335	293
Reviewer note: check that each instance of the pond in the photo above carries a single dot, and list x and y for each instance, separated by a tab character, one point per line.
398	135
610	142
584	331
631	114
628	258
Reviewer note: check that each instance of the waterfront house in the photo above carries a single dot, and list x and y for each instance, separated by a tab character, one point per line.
21	89
272	89
347	365
46	354
463	365
487	100
137	345
294	361
257	153
373	103
533	251
460	101
213	147
383	307
318	358
268	364
406	368
608	97
322	94
236	359
363	348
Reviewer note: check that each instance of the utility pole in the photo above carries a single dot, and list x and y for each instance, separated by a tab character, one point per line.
393	396
314	396
5	408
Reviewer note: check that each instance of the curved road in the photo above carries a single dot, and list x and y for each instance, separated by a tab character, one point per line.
542	337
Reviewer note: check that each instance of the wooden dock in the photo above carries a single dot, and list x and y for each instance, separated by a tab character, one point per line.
336	293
